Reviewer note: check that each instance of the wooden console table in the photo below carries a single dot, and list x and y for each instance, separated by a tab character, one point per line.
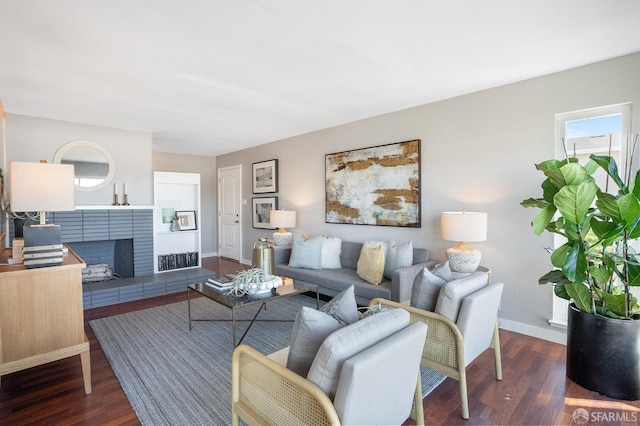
41	315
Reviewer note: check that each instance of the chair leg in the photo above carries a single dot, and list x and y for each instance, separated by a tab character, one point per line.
496	351
464	401
418	410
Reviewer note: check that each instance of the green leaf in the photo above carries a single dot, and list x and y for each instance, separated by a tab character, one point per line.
604	229
601	274
561	292
634	275
610	166
575	264
629	209
556	277
580	295
549	190
636	184
574	201
534	202
542	219
608	206
614	302
559	255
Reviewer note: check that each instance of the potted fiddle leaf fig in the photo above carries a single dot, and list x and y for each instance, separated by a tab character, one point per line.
595	269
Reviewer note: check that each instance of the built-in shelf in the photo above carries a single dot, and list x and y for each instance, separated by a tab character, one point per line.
176	192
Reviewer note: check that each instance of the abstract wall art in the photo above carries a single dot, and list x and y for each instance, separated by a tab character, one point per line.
379	185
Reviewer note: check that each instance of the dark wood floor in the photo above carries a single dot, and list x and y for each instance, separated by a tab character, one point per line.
534	389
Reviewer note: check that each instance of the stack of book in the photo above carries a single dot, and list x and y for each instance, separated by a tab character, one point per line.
221	284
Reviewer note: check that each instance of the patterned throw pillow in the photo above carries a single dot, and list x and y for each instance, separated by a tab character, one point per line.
371	262
343	306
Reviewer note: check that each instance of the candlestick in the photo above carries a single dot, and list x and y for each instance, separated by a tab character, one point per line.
126	200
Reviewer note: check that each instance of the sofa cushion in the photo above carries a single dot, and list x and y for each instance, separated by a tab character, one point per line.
343	307
397	255
331	250
310	328
426	289
453	293
348	341
306	253
371	262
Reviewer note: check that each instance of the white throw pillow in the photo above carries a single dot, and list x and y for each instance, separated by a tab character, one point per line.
398	255
306	253
331	251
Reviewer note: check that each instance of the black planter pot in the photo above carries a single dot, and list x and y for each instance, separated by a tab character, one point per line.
603	354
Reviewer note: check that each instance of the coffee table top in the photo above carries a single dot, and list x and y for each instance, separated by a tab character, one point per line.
234	302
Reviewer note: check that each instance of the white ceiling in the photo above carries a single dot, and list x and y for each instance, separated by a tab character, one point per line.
209	77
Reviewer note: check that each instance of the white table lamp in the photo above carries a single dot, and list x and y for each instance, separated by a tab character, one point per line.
463	227
41	187
282	219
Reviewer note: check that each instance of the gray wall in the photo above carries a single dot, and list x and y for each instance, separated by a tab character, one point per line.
32	139
206	166
478	153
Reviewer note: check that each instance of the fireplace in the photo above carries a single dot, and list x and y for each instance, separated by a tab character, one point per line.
121	237
117	254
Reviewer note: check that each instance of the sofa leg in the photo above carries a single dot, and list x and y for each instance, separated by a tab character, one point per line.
496	352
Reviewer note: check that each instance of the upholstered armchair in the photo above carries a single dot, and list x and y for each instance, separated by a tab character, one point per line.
362	374
462	327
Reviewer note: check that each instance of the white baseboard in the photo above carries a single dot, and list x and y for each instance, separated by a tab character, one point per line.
556	336
214	254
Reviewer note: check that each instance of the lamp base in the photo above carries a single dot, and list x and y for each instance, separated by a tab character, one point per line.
463	258
282	238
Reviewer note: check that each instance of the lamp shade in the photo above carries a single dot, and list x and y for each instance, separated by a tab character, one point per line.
282	219
38	187
463	226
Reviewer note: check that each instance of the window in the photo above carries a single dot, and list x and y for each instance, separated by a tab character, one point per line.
600	131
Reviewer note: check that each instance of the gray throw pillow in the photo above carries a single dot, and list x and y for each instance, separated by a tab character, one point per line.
398	255
306	253
310	328
425	291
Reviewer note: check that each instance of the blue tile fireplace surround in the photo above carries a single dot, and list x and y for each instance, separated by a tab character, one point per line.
122	238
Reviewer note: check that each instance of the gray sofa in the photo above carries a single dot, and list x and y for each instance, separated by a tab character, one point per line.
333	281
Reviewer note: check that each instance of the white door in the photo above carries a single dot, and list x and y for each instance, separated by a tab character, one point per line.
229	210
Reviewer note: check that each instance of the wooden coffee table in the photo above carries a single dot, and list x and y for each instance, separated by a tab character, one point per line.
237	303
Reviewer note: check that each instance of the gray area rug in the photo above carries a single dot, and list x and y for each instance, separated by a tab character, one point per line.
173	376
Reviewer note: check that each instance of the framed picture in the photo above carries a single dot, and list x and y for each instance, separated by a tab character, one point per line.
379	185
187	220
262	207
265	177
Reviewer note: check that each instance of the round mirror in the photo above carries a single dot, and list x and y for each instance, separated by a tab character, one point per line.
94	165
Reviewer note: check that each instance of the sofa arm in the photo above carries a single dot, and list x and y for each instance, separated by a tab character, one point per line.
402	280
282	256
265	392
